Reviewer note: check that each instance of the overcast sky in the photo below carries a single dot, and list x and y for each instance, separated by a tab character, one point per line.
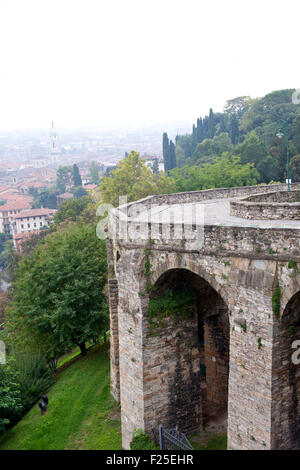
138	62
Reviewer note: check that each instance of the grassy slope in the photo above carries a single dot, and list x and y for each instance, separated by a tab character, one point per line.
81	413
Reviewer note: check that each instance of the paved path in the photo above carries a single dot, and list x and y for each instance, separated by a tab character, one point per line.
216	212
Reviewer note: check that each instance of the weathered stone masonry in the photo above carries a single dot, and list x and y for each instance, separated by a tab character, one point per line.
235	273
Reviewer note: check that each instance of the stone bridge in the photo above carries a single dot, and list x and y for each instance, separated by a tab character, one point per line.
231	349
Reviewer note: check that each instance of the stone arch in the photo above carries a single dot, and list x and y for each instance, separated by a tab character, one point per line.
193	266
289	291
286	389
191	356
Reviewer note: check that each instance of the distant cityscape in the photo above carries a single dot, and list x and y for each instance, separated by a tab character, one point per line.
29	161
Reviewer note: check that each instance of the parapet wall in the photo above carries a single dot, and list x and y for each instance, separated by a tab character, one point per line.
271	206
197	196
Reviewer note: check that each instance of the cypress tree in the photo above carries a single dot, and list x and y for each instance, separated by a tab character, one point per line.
172	155
155	168
77	181
166	152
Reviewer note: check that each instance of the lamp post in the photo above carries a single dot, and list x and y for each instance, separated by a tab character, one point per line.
280	134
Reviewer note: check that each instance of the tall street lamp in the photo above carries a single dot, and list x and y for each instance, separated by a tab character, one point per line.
280	134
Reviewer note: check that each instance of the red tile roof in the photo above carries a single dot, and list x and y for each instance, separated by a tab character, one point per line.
90	186
15	205
22	235
34	213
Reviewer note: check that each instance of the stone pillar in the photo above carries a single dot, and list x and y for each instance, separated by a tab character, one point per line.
250	379
251	352
131	358
114	339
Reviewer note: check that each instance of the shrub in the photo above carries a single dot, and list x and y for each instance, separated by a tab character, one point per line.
34	377
141	441
10	402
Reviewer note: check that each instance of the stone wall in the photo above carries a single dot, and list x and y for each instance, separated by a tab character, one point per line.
197	196
216	343
272	206
240	267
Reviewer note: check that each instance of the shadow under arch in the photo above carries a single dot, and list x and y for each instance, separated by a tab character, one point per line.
195	351
286	378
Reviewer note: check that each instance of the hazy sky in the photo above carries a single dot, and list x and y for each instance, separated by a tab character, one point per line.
108	62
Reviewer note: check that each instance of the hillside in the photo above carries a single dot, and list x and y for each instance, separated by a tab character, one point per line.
248	128
81	413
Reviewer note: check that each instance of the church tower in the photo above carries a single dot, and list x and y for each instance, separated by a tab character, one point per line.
54	152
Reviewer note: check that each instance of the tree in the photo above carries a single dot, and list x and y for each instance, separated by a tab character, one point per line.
58	295
79	192
64	178
172	155
133	179
77	181
227	171
10	401
94	173
295	168
45	198
180	156
166	152
252	150
71	209
209	149
155	168
237	106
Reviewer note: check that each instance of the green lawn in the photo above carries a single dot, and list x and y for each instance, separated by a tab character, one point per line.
209	441
81	412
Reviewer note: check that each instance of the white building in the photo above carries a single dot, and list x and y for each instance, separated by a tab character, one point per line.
32	220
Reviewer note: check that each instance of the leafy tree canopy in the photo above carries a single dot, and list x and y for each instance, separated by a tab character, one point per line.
59	296
132	178
227	171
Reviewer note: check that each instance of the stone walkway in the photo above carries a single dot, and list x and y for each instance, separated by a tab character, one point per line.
215	212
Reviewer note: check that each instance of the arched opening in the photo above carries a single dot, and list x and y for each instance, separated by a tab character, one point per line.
190	320
286	389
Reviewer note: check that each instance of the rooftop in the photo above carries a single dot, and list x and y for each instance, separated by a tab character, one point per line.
35	213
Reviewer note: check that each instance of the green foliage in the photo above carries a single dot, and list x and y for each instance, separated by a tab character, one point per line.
178	304
94	173
226	172
77	181
293	265
155	168
168	153
132	178
79	192
209	149
58	298
276	301
295	167
10	401
71	209
64	178
82	415
45	198
250	126
141	441
33	376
